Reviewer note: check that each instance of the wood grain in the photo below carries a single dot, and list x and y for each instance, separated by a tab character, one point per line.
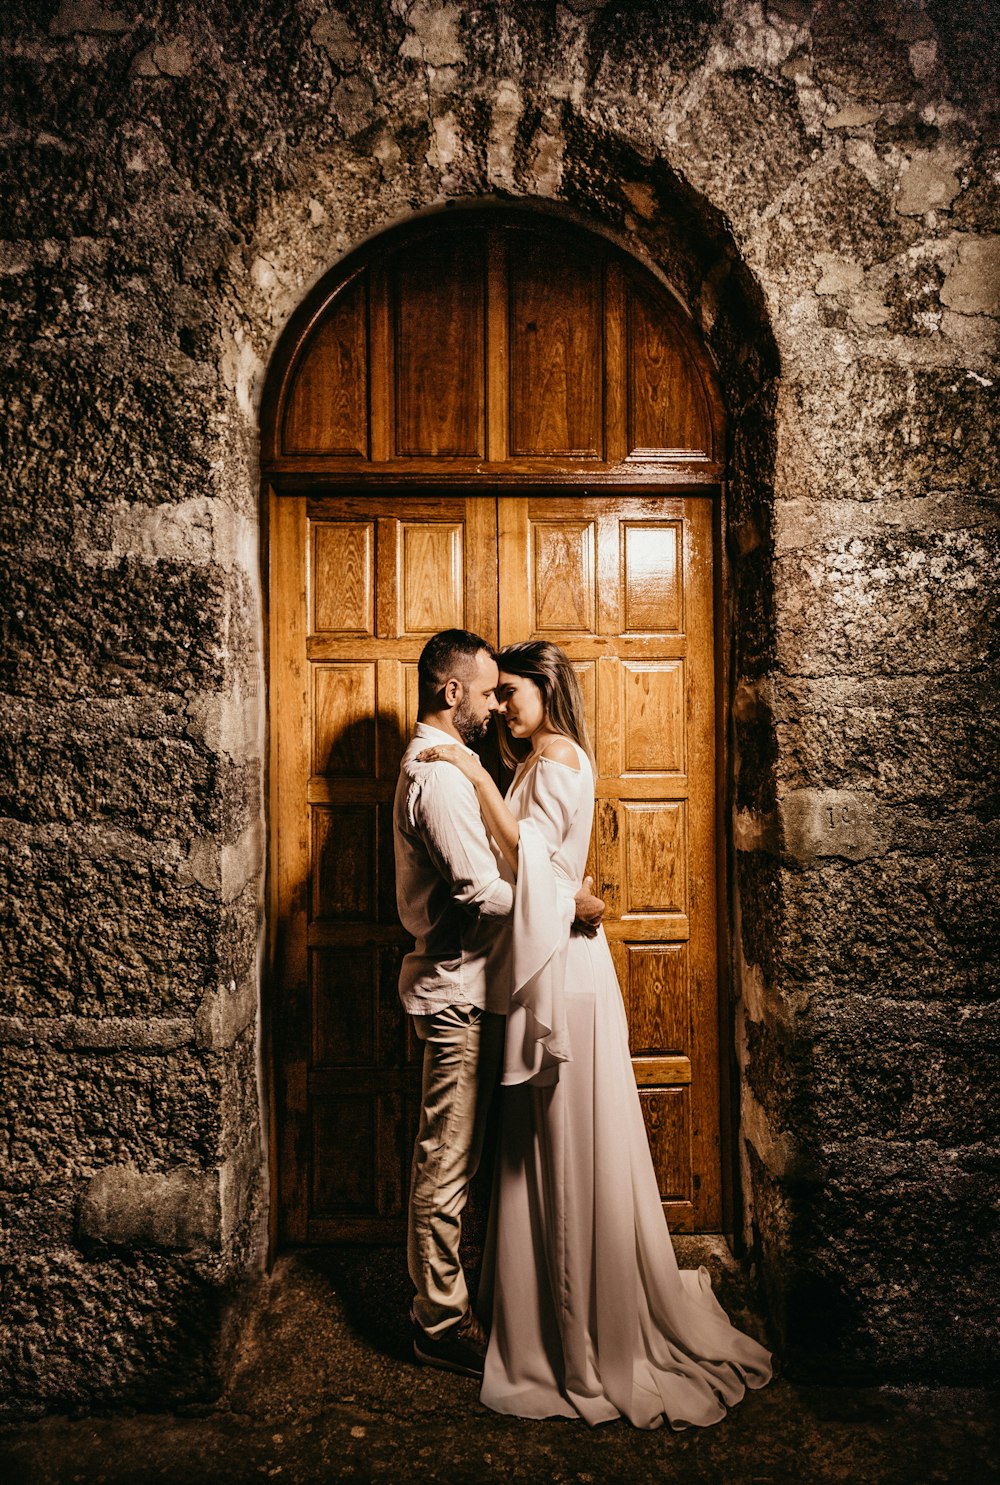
653	716
326	411
556	352
652	578
438	313
668	408
343	1006
343	706
344	720
496	349
342	578
642	649
667	1114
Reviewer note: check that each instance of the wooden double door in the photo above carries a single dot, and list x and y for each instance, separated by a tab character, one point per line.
358	584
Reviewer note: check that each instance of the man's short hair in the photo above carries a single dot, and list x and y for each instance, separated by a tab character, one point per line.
451	653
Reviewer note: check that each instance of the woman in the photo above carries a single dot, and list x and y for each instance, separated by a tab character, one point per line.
591	1317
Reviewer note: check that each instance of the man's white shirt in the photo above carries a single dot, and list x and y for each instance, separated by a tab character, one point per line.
450	890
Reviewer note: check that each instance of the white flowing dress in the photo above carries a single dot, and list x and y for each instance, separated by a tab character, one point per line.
590	1316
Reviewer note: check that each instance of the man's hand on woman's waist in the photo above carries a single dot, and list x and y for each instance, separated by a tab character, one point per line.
589	910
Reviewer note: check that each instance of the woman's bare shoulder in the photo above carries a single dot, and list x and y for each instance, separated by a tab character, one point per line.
561	750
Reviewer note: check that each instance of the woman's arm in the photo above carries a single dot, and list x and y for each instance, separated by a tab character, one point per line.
497	817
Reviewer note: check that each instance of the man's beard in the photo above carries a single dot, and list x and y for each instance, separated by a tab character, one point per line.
470	728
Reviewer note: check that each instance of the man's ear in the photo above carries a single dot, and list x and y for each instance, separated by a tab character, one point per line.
453	691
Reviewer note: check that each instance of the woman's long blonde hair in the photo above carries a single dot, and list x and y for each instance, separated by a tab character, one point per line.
552	672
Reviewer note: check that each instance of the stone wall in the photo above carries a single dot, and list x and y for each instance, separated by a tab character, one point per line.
819	183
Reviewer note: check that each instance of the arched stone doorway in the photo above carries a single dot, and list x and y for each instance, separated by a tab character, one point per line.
493	418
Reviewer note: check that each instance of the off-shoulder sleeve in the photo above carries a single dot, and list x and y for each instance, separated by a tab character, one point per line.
537	1039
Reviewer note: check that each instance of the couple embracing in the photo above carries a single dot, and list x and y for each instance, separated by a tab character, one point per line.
582	1310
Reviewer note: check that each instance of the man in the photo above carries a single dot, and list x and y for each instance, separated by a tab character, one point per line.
454	901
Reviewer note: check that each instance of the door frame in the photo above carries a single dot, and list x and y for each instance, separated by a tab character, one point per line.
280	485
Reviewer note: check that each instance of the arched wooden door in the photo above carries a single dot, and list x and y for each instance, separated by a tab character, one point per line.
498	422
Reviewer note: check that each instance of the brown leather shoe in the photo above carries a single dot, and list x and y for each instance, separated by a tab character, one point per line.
461	1349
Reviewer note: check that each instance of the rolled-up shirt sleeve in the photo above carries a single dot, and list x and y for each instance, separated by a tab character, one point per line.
444	809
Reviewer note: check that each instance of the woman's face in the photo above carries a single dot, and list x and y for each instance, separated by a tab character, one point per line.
521	703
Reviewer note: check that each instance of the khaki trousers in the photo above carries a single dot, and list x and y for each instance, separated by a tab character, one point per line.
462	1051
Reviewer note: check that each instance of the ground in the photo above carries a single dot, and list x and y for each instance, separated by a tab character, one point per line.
323	1389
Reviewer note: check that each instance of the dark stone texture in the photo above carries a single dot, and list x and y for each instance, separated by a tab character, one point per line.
900	927
876	1296
972	68
862	50
110	932
145	1110
882	1069
759	885
128	767
926	742
125	629
978	207
878	430
734	106
838	212
904	1070
631	45
757	750
919	604
892	1298
162	1347
102	398
914	301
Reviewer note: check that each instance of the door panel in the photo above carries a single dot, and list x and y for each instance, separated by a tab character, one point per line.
625	586
438	314
510	351
358	585
357	588
556	333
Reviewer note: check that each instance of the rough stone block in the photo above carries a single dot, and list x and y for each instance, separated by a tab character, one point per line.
225	1014
130	1209
853	1269
126	629
759	886
163	1345
972	287
917	603
901	927
832	822
128	764
978	207
875	1235
928	183
128	428
104	925
39	1220
904	1070
841	214
867	429
897	1070
69	1114
860	52
732	107
928	743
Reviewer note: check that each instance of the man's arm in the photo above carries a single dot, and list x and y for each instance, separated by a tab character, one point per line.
446	813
